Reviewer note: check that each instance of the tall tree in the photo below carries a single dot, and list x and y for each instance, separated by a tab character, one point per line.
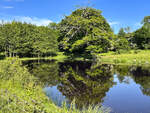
85	31
146	21
142	35
121	33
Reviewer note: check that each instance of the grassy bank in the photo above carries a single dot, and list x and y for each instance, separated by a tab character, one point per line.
134	57
60	57
20	92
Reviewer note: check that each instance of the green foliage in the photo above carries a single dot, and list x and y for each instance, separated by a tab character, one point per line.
53	26
45	42
146	21
21	92
85	31
121	33
121	43
142	38
26	40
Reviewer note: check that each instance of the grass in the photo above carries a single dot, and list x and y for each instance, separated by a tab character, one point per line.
21	93
60	57
134	57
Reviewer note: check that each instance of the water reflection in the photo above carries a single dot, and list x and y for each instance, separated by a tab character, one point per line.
123	88
141	76
46	71
88	85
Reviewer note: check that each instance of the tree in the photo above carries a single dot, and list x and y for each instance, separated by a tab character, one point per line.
53	26
142	38
121	33
45	42
121	44
85	31
127	30
121	41
146	21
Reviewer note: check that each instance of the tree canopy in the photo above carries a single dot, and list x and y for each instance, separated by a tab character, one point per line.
26	40
142	35
85	31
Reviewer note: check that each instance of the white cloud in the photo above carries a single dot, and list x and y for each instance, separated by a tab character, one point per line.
8	7
138	24
32	20
113	23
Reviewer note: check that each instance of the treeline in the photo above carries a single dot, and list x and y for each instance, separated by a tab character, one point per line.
84	33
139	39
27	40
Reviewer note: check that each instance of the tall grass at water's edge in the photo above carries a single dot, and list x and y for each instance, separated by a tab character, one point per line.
140	57
21	93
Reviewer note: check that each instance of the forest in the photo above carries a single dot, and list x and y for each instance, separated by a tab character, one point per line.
84	33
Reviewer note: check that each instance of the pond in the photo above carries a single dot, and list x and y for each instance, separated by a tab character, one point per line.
124	89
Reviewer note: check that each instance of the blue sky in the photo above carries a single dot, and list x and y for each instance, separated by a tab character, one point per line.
119	13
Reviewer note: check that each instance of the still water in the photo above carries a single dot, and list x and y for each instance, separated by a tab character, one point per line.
124	89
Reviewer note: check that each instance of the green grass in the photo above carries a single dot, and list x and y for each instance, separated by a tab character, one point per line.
60	57
21	93
137	57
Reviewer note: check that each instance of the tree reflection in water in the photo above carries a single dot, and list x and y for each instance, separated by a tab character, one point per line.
46	71
86	83
140	75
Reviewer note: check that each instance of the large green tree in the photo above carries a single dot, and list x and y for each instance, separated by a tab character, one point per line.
142	35
85	31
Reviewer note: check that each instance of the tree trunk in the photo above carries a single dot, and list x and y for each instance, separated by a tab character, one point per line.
38	58
13	54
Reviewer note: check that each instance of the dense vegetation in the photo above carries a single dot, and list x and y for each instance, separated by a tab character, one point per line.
20	92
83	33
27	40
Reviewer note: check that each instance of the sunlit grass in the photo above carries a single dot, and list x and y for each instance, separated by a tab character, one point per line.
21	93
59	57
138	57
